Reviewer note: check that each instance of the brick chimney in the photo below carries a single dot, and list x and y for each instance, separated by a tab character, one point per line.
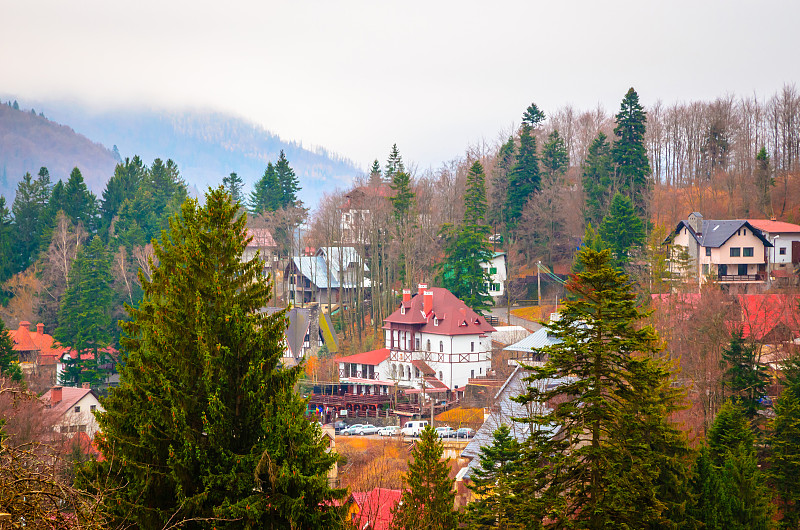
86	386
25	325
55	395
406	295
428	302
40	328
421	288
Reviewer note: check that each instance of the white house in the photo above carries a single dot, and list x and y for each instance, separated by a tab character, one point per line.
786	240
436	342
324	277
497	272
72	409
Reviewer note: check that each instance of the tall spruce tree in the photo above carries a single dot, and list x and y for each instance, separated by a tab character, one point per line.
427	503
617	460
267	192
375	174
394	164
745	378
9	360
525	177
205	428
6	247
123	185
598	180
494	504
79	203
84	321
287	180
468	248
622	229
555	160
233	183
26	212
630	154
784	443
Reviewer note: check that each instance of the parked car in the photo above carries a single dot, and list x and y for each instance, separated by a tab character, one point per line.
339	426
368	429
353	429
413	428
391	430
465	432
446	432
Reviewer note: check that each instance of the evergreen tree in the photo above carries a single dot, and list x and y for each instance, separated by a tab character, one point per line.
555	160
9	360
6	247
592	240
629	152
403	198
26	217
495	505
524	179
205	428
617	460
428	501
123	185
287	180
467	247
394	164
375	174
598	180
233	183
622	229
746	378
532	116
764	182
503	164
84	318
79	203
267	193
784	442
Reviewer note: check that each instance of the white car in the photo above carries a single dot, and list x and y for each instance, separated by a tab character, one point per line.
446	432
413	428
391	430
367	430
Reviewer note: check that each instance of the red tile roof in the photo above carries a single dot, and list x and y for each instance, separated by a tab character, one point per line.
774	227
375	507
374	357
453	315
69	396
762	313
261	238
25	340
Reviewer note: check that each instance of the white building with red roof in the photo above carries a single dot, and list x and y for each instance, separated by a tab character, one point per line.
785	238
436	343
38	353
72	409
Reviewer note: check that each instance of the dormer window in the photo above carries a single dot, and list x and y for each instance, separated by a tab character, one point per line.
402	310
435	321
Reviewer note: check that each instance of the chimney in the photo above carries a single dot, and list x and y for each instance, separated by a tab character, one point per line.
406	295
421	288
25	325
86	386
55	395
40	328
696	222
428	302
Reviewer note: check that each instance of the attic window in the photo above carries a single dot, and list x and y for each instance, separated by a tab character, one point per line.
477	322
402	310
435	321
463	323
715	228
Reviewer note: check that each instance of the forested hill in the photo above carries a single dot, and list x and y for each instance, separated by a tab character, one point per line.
29	141
206	146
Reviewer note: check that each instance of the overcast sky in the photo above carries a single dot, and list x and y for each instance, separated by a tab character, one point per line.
357	76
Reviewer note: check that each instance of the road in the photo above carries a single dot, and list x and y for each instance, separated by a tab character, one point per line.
502	314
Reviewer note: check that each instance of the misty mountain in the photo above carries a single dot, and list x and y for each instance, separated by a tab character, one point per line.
206	145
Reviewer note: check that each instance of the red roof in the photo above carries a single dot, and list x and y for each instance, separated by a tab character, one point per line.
24	340
375	507
69	396
374	357
774	227
261	238
453	315
762	313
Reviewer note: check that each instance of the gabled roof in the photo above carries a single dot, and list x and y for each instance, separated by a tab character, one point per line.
341	258
535	341
452	315
25	340
774	227
261	238
372	358
763	313
714	234
69	397
375	507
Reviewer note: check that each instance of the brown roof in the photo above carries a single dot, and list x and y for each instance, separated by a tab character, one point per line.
69	396
453	315
423	367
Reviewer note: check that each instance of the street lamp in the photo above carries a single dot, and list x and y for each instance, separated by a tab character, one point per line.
774	257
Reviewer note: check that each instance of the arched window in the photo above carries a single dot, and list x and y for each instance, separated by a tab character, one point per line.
429	345
394	371
441	346
408	369
440	375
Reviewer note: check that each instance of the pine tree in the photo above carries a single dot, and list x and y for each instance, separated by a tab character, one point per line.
524	179
622	229
394	164
233	183
555	160
288	181
9	360
6	247
428	501
592	240
617	460
764	182
267	192
492	483
467	247
84	321
403	198
784	443
629	152
79	203
532	116
205	428
375	174
123	185
745	377
503	164
598	180
26	218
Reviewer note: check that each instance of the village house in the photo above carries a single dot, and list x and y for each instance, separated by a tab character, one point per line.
497	275
72	409
310	329
263	243
327	276
732	251
785	238
38	353
356	213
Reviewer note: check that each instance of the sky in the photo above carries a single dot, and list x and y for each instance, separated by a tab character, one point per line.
355	77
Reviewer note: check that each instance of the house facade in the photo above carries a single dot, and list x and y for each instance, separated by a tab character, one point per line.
436	342
731	251
326	276
72	409
785	238
38	353
356	213
496	268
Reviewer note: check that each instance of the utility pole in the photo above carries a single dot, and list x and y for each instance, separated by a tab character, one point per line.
539	283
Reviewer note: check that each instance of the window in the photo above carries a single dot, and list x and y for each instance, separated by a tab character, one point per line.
471	346
744	231
493	270
480	370
416	344
708	251
735	252
747	252
495	286
472	373
429	345
77	409
435	321
441	346
440	375
782	251
92	407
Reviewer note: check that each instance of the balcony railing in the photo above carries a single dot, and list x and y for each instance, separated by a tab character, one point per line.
742	278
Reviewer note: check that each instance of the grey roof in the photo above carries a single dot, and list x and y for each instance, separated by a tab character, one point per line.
315	268
342	256
535	341
504	412
714	234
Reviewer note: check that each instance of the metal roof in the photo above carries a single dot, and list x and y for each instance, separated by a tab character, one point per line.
535	341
